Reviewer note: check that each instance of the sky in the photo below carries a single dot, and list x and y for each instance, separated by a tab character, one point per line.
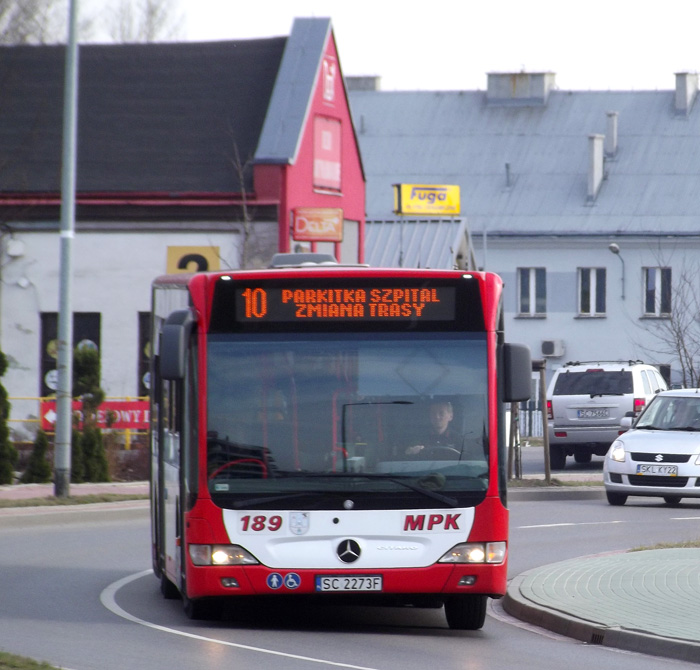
453	44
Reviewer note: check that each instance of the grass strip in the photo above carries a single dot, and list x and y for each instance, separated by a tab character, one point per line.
686	544
12	662
52	501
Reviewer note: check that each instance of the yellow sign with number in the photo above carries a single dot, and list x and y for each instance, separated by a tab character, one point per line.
193	259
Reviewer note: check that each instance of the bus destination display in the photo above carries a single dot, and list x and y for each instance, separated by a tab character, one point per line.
349	303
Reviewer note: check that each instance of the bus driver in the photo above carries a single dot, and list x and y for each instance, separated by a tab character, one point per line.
440	433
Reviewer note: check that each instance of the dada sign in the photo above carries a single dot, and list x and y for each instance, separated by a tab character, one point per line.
318	224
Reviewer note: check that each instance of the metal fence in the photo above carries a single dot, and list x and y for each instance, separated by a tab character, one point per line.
530	417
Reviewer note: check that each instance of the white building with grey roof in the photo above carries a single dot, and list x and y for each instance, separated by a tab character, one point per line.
587	203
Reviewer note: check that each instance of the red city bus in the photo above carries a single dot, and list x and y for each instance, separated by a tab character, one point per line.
332	432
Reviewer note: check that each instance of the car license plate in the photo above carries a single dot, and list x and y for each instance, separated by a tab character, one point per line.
602	413
348	582
666	470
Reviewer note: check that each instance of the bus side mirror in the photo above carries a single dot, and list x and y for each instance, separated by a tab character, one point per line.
174	336
517	372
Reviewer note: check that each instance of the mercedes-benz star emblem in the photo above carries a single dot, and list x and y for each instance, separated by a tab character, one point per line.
348	551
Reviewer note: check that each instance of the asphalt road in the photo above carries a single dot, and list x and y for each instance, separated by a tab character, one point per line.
79	594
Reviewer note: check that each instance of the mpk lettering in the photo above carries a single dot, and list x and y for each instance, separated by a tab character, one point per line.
420	522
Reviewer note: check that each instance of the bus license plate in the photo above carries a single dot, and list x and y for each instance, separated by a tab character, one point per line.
349	583
667	470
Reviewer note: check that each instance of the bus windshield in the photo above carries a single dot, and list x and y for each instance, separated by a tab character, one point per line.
307	418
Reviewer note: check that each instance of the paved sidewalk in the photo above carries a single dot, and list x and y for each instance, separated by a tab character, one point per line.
644	601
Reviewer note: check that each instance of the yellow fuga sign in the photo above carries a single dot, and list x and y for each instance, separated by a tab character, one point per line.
426	199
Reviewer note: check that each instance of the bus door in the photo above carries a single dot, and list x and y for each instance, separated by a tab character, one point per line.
177	378
171	485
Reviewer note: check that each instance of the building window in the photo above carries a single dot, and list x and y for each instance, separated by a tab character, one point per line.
591	291
657	291
144	354
86	333
532	292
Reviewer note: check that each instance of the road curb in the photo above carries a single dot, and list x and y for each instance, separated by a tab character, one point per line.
590	632
557	492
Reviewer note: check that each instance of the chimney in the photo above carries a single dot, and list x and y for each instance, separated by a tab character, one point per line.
595	165
611	135
368	83
686	91
519	89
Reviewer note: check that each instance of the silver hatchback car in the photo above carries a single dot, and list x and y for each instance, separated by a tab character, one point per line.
660	454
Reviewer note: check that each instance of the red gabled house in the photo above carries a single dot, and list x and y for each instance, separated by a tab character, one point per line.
190	156
308	154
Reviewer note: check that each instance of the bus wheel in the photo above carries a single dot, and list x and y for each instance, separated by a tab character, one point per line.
201	608
167	588
465	612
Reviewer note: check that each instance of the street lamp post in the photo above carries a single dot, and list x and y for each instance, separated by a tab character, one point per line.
64	393
614	248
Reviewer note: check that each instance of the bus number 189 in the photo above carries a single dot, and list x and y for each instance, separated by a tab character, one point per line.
260	522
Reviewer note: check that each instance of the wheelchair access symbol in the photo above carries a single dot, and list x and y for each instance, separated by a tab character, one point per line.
290	581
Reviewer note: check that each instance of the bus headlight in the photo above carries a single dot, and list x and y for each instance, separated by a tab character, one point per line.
476	552
617	451
220	554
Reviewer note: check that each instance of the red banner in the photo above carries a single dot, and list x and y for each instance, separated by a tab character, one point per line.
327	158
122	414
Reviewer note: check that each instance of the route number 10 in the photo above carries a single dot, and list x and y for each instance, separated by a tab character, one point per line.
255	303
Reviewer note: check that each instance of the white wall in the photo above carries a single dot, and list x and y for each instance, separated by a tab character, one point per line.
112	274
623	333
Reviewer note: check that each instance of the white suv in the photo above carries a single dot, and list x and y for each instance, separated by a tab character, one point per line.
587	400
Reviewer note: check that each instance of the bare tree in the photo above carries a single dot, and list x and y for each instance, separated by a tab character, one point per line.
677	335
39	22
240	169
145	21
259	240
45	21
31	21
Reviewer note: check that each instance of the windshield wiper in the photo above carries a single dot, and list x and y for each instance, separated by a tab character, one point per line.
429	479
269	499
649	427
